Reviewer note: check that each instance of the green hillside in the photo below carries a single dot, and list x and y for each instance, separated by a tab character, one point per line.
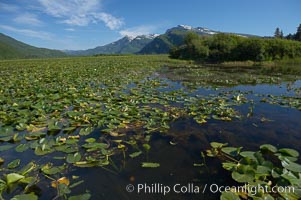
11	48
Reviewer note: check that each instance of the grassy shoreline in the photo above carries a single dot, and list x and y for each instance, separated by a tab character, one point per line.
286	66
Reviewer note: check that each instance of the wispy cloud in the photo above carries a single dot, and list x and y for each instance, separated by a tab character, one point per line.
80	12
28	19
138	30
8	7
31	33
69	29
111	22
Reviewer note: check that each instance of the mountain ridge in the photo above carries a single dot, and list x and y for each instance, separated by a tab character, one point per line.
142	44
125	45
11	48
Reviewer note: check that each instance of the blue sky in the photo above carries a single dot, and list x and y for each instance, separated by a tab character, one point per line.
82	24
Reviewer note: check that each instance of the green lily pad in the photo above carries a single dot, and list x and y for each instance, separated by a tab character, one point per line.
13	177
135	154
86	131
268	147
73	158
217	145
245	177
150	165
14	164
5	147
22	147
50	170
229	196
30	196
291	165
289	152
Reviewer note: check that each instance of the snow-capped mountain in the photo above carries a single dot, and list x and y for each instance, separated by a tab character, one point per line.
175	36
149	44
125	45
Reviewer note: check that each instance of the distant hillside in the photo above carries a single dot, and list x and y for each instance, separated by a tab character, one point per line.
11	48
175	37
126	45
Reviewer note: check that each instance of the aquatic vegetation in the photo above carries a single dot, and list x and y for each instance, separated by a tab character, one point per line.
265	172
101	112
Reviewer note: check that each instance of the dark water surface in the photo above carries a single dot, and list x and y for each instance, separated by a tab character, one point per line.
280	128
180	148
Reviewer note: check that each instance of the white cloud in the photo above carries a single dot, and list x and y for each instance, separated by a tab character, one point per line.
80	12
28	19
69	29
138	30
31	33
8	7
110	21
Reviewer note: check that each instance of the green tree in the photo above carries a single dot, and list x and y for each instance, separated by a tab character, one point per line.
278	33
250	49
221	47
298	34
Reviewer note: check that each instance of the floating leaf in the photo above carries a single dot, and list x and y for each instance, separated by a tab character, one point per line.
248	154
286	163
13	177
28	168
50	170
63	180
73	158
90	140
150	165
6	139
268	147
147	147
231	150
243	177
289	152
43	150
13	164
22	147
30	196
5	147
35	136
217	145
135	154
76	184
86	131
229	196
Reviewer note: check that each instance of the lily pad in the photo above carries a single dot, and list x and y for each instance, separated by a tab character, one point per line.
13	177
73	158
30	196
13	164
150	165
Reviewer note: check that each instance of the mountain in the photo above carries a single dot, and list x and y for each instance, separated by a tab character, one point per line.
126	45
174	37
11	48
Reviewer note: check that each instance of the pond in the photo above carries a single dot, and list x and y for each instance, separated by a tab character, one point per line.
165	121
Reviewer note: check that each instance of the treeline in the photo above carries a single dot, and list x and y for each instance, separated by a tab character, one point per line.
227	47
296	36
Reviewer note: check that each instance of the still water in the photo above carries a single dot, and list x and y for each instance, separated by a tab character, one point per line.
183	172
180	148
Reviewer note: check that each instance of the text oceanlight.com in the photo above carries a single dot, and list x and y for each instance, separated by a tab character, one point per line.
191	188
